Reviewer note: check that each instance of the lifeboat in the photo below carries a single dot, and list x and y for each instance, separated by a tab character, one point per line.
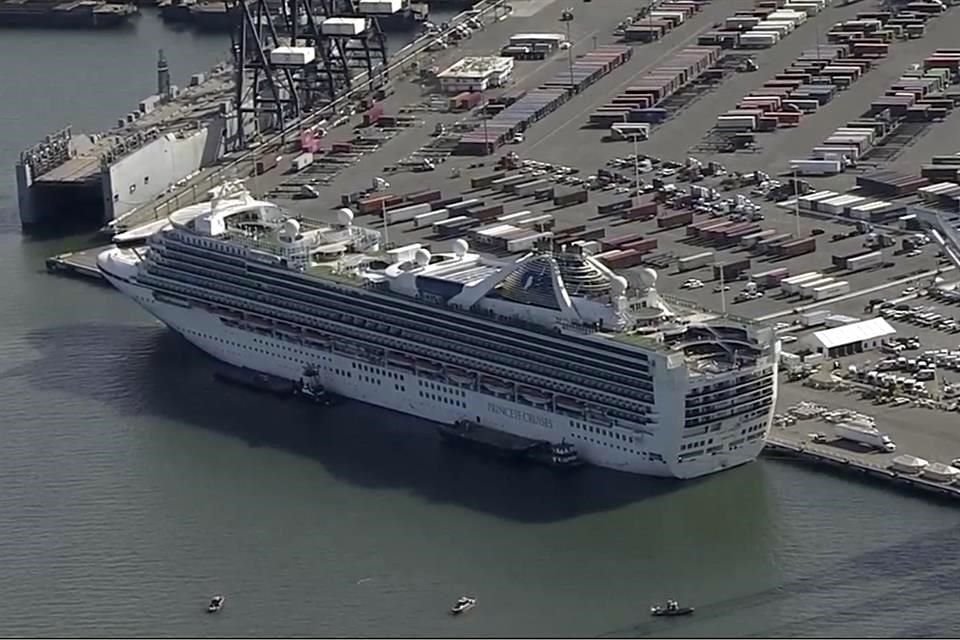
569	404
429	367
460	376
534	396
496	386
400	360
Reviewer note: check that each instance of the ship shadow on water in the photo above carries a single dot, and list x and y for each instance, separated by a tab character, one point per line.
137	369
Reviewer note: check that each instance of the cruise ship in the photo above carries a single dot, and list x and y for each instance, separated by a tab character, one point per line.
550	345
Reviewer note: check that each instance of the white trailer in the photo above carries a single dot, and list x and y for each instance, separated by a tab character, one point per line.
302	161
866	436
816	167
403	214
792	284
427	219
831	290
864	261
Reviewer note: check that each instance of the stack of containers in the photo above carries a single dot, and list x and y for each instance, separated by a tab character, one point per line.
890	183
639	103
773	28
667	16
537	104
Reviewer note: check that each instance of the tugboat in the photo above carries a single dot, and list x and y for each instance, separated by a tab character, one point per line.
672	608
216	603
463	605
558	456
309	387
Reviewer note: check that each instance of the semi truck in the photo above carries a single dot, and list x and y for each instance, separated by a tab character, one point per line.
866	436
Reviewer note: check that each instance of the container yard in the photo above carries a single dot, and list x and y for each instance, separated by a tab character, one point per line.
742	230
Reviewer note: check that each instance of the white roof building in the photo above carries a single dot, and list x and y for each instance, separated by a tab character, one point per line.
476	74
850	338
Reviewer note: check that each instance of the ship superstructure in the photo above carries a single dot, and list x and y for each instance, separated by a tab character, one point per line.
551	346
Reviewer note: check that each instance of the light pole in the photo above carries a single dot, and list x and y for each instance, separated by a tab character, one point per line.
636	168
567	18
796	201
483	115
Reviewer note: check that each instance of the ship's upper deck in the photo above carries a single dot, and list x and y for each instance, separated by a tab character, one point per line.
550	288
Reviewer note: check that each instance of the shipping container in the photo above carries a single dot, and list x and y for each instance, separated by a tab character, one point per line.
798	247
571	198
816	167
427	219
487	213
771	278
814	318
864	261
751	239
831	290
696	261
301	162
673	220
420	197
485	181
792	284
528	188
730	270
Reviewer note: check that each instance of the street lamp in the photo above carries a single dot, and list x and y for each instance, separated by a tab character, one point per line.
567	18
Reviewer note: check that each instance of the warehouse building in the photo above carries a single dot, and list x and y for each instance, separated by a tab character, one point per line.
476	74
848	339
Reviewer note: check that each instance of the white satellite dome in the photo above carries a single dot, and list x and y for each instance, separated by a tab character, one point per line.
618	285
291	229
460	247
422	257
345	216
648	277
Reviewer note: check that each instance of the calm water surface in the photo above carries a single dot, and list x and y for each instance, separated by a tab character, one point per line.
132	486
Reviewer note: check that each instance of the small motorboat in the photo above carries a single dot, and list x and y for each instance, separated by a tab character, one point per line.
672	608
463	605
216	603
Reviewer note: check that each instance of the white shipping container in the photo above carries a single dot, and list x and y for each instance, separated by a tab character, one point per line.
810	8
810	201
450	222
527	242
519	215
666	15
487	234
349	27
835	152
736	123
792	284
533	221
380	6
780	27
293	55
740	23
404	214
816	167
814	318
759	39
865	261
688	263
302	161
806	289
831	290
797	17
427	219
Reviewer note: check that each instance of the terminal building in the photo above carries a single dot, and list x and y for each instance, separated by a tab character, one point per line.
476	74
849	339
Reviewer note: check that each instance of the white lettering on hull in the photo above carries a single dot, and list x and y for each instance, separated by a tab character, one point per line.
520	414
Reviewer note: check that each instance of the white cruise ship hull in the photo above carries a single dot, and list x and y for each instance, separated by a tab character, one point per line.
411	394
